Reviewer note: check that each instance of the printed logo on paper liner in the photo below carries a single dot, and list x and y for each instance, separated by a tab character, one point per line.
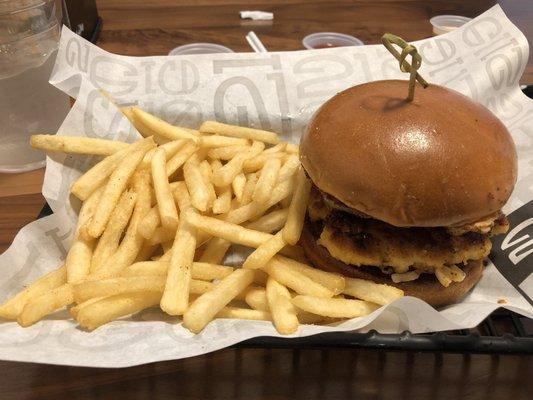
512	254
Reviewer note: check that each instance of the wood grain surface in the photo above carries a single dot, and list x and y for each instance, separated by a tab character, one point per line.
153	27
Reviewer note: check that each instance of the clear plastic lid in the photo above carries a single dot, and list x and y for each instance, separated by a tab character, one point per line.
324	40
447	23
199	48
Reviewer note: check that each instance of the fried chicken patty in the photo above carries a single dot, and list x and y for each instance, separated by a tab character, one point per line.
363	241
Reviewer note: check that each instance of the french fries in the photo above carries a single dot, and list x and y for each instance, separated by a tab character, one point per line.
39	306
335	308
225	230
115	186
96	176
158	218
295	219
373	292
225	175
262	255
76	145
110	308
266	181
78	261
109	241
281	308
165	200
239	132
206	307
12	308
196	186
176	295
162	128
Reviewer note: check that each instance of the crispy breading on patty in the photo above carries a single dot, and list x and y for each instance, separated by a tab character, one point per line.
364	241
321	205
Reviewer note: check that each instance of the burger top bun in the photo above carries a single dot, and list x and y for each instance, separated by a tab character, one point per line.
440	160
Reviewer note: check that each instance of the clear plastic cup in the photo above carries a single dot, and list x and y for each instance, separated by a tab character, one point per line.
324	40
447	23
199	48
29	38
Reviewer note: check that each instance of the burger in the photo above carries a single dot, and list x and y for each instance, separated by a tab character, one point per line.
406	193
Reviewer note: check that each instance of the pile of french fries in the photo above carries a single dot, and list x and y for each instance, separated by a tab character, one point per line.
158	217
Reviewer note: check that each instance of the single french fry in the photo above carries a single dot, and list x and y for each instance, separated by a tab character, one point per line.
77	144
289	168
244	313
226	152
281	308
96	176
110	308
114	188
170	149
181	196
295	220
335	308
238	186
239	131
249	188
196	185
334	282
270	222
207	174
175	162
109	241
44	304
149	223
256	298
165	201
141	128
208	271
264	253
162	128
108	287
267	180
78	261
295	280
258	162
178	282
228	231
207	306
224	176
215	251
280	147
12	307
370	291
214	141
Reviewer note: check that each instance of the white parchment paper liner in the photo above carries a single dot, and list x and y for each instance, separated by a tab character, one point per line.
278	91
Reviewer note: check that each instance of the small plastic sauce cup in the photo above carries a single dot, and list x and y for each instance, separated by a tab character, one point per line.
324	40
199	48
447	23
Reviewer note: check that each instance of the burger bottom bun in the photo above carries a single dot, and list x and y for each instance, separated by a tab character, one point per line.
426	287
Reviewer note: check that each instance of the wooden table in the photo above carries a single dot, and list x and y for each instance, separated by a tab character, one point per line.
153	27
